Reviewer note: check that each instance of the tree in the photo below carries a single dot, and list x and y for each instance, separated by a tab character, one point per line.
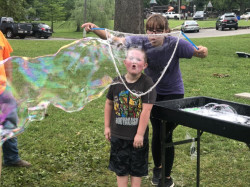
77	13
99	12
243	5
53	10
13	8
129	16
69	6
229	5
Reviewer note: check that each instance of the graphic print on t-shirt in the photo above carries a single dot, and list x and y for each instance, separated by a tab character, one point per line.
127	108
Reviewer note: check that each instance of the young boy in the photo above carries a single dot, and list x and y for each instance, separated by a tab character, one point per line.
126	121
159	50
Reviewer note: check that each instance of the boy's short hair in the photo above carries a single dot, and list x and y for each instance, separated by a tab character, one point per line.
139	49
157	21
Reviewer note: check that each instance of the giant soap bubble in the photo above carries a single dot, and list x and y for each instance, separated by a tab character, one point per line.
77	74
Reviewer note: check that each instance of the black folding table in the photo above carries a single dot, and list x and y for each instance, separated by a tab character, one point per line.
170	111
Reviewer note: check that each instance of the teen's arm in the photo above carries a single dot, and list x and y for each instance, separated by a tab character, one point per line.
202	52
101	33
107	116
143	123
89	26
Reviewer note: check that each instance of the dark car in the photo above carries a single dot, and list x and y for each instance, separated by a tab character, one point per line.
199	15
41	30
12	29
228	20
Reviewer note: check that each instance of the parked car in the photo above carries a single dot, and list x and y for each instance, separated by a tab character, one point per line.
245	16
12	29
199	15
227	21
190	26
172	15
41	30
230	13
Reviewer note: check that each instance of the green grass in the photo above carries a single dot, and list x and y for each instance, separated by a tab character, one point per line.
34	48
68	149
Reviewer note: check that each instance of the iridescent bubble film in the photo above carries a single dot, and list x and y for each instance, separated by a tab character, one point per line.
77	74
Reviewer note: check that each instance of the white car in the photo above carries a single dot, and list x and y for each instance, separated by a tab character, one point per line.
190	26
245	16
172	15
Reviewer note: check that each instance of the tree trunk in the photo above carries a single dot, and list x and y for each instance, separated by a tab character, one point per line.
52	24
78	28
129	16
242	4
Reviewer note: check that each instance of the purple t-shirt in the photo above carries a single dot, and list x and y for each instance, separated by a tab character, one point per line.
158	57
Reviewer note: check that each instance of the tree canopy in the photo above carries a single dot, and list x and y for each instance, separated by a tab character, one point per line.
98	11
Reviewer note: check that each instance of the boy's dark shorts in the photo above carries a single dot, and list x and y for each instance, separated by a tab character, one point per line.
127	160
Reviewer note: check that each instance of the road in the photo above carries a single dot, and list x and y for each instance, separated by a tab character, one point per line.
206	33
51	38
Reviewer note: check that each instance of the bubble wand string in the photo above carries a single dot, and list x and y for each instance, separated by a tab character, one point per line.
159	79
189	40
138	95
181	33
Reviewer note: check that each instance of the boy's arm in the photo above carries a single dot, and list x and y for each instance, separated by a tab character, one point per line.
143	123
107	117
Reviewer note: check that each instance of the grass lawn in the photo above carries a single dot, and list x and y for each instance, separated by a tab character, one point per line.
68	149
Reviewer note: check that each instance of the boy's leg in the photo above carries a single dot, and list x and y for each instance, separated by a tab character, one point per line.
135	181
122	181
139	163
119	160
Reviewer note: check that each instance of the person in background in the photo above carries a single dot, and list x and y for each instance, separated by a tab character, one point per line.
126	121
159	50
8	108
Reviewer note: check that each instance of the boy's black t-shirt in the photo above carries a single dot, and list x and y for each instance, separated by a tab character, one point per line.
127	107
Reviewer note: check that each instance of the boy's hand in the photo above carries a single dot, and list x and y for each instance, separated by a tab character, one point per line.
107	133
138	141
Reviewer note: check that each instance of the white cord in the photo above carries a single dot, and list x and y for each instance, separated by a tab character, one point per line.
159	79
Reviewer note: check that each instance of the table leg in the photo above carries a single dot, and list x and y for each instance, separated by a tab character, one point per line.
198	159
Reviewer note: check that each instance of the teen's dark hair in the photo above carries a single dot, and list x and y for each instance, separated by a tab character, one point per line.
157	21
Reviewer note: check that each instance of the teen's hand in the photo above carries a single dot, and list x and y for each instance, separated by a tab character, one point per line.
88	26
202	52
138	141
